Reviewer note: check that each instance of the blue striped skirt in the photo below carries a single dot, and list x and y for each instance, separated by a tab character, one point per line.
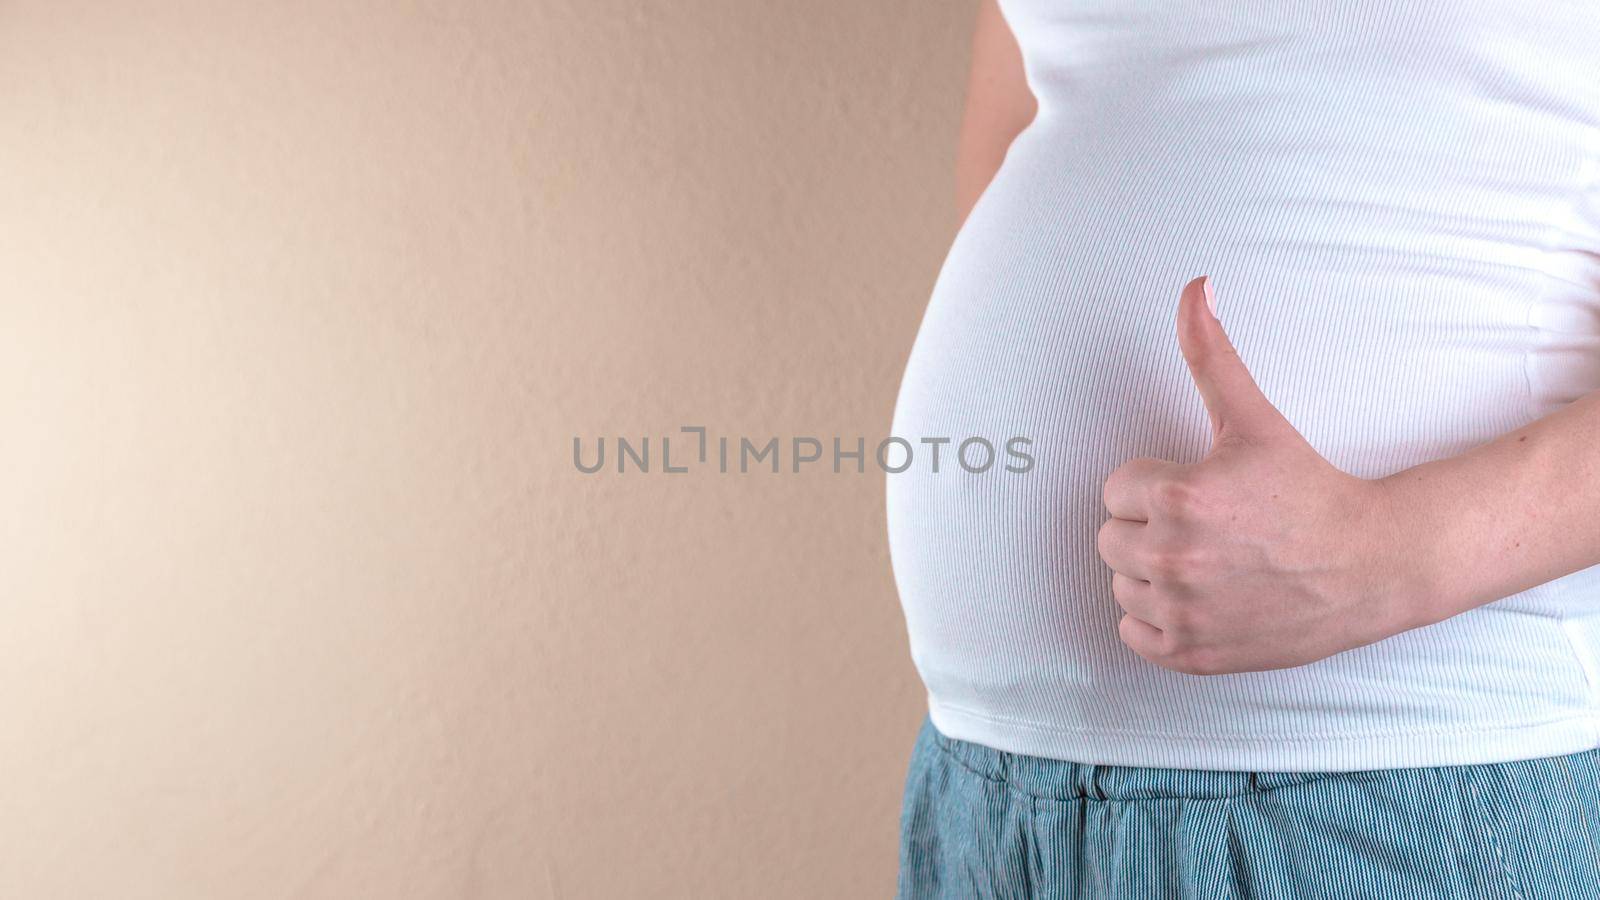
979	822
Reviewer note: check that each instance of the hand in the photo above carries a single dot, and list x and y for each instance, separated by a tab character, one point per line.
1263	555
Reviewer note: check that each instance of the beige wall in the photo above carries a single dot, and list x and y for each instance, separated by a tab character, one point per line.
300	309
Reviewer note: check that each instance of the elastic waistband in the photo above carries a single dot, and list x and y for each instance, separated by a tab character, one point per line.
1064	780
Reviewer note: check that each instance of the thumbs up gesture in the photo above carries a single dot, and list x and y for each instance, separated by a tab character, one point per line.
1263	555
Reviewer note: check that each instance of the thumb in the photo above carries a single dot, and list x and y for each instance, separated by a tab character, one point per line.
1238	408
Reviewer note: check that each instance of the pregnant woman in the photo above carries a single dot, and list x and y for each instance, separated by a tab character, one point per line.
1301	597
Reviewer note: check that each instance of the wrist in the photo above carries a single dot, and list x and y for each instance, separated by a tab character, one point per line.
1420	577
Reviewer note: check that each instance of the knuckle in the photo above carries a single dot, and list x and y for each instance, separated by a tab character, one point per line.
1119	586
1170	563
1174	497
1102	538
1122	477
1128	633
1125	626
1161	564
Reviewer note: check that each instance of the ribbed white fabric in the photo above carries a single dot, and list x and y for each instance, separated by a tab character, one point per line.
1399	203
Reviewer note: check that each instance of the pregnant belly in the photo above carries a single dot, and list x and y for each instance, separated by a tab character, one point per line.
1053	319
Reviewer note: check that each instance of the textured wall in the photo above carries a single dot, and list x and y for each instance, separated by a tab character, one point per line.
300	310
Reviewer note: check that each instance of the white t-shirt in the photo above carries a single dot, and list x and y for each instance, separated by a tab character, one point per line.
1399	205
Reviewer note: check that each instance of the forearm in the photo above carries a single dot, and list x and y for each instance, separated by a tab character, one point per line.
1504	517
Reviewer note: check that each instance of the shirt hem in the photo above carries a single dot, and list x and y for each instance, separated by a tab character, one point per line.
1220	752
